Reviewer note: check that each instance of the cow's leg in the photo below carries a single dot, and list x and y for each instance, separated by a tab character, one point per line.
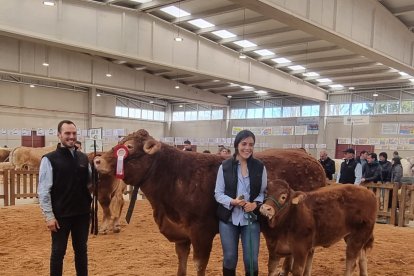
353	248
287	266
105	201
117	203
273	262
299	260
363	266
308	266
202	246
183	250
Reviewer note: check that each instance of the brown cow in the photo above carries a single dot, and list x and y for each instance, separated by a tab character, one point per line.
27	157
180	187
4	154
303	221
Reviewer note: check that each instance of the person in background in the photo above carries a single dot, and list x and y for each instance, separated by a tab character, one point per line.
373	169
225	152
78	145
362	159
396	155
65	200
327	163
240	186
187	146
396	171
351	170
206	151
385	167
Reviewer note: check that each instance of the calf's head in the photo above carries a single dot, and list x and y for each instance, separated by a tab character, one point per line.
278	201
141	148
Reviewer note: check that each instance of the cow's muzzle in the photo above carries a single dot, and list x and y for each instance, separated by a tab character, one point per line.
267	211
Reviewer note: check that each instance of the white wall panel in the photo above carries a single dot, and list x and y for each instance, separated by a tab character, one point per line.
9	54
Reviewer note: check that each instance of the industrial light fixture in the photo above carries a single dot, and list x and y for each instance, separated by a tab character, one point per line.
108	72
229	96
49	3
46	60
351	88
98	94
177	86
375	95
32	86
178	38
151	102
45	63
181	13
108	75
242	56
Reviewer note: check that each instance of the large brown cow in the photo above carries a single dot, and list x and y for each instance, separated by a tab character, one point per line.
4	154
303	221
180	187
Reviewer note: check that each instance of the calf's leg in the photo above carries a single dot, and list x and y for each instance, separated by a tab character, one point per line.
308	266
363	267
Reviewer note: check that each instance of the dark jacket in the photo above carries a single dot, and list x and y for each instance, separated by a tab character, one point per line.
230	166
373	172
386	170
70	195
396	173
348	171
329	167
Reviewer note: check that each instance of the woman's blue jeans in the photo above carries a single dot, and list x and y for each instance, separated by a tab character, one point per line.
229	235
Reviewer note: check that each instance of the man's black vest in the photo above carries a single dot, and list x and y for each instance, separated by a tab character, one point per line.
69	193
348	172
230	166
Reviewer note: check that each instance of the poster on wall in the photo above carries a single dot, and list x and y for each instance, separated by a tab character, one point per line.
301	130
40	132
107	133
15	132
344	141
95	133
89	145
288	130
236	130
407	129
3	131
356	120
389	128
26	132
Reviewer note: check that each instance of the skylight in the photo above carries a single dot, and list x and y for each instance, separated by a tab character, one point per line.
281	60
201	23
264	52
174	11
246	87
336	86
403	73
323	80
310	74
261	92
296	67
245	43
223	34
141	1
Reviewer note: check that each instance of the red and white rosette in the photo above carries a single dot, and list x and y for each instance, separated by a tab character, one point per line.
120	152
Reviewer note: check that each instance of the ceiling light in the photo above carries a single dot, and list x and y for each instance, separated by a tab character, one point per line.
324	80
201	23
246	87
311	74
151	102
141	1
257	101
45	64
138	68
336	86
260	92
174	11
49	3
375	95
216	80
242	56
403	73
108	75
32	86
296	67
180	105
351	88
178	39
412	80
177	87
281	60
98	95
229	96
245	43
264	52
223	34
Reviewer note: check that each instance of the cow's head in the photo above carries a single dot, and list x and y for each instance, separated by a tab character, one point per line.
279	198
141	148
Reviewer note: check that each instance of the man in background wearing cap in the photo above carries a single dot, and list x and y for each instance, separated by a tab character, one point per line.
351	170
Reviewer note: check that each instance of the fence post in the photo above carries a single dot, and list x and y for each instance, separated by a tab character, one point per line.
393	218
6	187
12	174
402	205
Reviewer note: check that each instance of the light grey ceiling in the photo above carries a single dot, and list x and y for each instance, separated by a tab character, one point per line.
341	66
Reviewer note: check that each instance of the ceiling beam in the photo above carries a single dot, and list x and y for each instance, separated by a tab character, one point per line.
233	24
271	32
403	10
207	13
292	54
278	44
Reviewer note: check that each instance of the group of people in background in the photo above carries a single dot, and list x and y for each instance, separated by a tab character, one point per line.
367	167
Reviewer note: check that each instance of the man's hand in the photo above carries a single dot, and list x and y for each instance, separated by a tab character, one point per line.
53	225
250	206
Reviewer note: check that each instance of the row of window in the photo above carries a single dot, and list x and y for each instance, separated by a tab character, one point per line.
193	115
138	113
392	107
275	112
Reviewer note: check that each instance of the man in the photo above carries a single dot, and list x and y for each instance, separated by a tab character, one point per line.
351	170
78	145
373	169
327	163
187	146
362	159
65	200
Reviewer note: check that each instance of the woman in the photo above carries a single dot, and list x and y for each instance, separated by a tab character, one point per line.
396	171
240	185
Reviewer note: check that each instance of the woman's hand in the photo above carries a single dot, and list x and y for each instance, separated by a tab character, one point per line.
249	206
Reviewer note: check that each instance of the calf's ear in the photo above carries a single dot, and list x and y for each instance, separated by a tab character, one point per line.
152	146
298	198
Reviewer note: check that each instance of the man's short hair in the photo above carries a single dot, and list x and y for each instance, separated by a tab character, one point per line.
187	142
59	128
362	152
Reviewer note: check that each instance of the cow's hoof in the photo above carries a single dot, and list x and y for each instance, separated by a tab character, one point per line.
103	231
117	229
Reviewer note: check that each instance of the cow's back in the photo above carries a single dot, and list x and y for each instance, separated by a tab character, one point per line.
301	171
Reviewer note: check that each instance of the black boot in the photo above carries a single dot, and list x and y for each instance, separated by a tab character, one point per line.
256	273
229	272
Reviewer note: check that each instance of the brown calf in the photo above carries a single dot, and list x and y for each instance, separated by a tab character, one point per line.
303	221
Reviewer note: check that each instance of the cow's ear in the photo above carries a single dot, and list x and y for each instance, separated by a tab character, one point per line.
152	146
298	198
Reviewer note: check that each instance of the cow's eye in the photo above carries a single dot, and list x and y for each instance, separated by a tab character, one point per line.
129	146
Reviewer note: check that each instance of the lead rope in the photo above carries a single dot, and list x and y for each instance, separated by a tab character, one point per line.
250	218
94	226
